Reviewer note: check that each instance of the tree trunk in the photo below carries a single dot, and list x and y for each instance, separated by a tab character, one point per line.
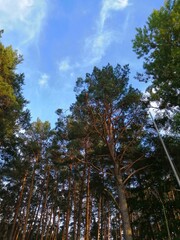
109	224
44	212
37	212
68	211
99	218
49	224
18	205
28	205
80	204
75	202
102	219
34	217
127	231
87	229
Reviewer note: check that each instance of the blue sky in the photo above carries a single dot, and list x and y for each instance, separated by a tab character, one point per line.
64	39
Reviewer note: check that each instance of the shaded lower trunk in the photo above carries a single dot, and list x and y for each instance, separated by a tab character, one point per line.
127	231
87	228
28	205
18	205
99	218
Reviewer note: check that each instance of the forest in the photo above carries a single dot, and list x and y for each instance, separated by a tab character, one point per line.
101	173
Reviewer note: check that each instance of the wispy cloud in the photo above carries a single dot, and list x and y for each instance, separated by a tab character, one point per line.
108	6
43	81
24	17
97	44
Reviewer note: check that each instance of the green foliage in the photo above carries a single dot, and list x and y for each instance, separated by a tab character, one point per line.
158	43
12	102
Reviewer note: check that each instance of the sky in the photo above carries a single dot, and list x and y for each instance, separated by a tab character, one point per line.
61	40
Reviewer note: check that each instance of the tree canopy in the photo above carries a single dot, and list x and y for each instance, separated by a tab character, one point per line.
158	44
12	103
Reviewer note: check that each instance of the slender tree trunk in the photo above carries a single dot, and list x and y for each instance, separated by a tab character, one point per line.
17	235
102	219
120	226
58	224
55	211
123	205
33	226
34	218
28	205
87	228
44	223
75	202
5	235
68	212
79	215
109	225
49	224
63	230
99	218
39	225
18	205
80	205
20	223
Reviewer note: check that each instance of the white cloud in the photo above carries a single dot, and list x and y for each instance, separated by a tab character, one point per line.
67	66
111	5
64	65
43	81
23	17
97	44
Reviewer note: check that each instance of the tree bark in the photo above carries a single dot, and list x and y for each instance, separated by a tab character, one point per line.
18	205
28	205
87	229
99	218
127	231
44	223
109	224
75	202
68	211
80	204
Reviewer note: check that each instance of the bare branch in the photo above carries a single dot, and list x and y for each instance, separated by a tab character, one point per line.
125	181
